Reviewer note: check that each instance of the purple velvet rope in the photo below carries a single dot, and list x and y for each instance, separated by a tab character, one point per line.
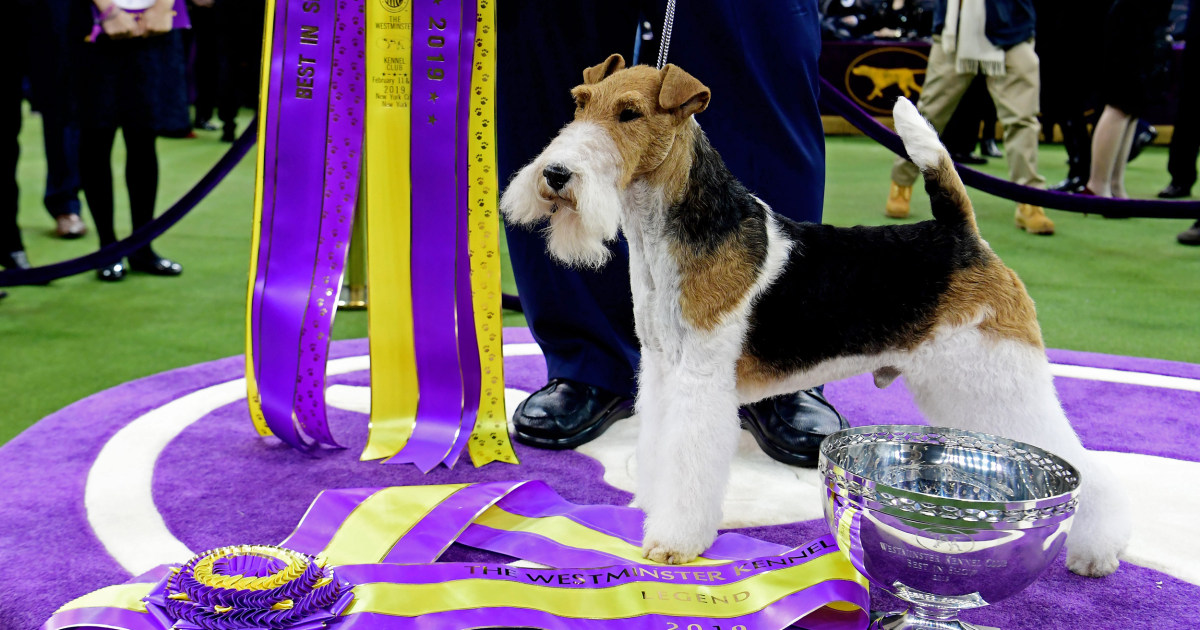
1143	208
436	27
147	233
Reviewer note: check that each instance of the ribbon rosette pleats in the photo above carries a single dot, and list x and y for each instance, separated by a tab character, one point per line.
249	587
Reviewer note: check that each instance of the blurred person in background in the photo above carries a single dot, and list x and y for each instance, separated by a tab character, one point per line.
130	77
37	46
973	123
993	38
1133	73
201	45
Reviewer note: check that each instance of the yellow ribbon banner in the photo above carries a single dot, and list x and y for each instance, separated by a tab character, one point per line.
389	245
489	439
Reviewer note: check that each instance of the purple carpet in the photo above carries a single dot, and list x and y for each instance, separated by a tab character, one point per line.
218	484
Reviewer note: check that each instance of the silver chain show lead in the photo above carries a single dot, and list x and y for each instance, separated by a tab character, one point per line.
665	43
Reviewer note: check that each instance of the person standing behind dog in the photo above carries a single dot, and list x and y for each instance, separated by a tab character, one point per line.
994	37
131	77
760	58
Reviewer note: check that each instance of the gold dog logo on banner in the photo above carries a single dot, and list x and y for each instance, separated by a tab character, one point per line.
875	78
395	6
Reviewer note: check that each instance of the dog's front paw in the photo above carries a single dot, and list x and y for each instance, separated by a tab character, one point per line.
1092	564
675	541
669	554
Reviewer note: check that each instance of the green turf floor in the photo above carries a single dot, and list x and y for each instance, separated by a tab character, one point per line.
1116	286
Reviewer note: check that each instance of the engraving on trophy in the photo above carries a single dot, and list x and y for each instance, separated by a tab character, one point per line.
947	542
945	519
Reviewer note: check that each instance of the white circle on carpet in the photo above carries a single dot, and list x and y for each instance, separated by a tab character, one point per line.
120	505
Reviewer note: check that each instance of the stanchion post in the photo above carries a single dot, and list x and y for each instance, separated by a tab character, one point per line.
354	294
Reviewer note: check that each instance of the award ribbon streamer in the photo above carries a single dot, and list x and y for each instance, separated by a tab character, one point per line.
468	346
394	388
343	155
308	122
436	29
489	439
357	533
264	195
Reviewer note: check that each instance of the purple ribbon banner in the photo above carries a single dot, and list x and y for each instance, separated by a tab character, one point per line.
468	345
312	148
762	585
435	97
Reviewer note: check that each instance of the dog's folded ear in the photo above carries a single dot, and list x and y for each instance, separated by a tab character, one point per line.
681	92
597	73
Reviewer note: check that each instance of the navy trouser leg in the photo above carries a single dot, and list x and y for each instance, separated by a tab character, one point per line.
10	130
763	119
62	165
583	320
760	61
1185	144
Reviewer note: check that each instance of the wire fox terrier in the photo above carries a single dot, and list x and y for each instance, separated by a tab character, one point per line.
733	303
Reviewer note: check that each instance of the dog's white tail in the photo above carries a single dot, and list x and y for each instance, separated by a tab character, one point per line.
947	196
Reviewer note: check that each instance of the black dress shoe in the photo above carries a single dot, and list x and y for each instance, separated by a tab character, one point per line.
15	260
790	428
1072	184
967	158
157	265
1190	236
1141	140
988	147
567	414
229	133
1175	191
111	273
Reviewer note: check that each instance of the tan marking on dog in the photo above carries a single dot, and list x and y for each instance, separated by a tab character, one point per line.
656	145
714	283
995	291
753	373
949	182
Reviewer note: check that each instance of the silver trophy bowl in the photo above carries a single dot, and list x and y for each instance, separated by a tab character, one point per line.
944	519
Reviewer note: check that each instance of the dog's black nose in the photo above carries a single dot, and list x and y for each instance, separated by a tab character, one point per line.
556	176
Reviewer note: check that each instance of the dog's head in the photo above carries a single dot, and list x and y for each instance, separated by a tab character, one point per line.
626	125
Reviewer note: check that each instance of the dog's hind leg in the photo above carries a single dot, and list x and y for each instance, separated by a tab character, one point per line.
693	445
971	380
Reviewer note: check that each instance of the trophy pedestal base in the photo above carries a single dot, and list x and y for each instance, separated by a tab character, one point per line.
910	621
353	298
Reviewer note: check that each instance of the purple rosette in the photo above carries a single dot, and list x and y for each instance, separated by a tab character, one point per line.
249	587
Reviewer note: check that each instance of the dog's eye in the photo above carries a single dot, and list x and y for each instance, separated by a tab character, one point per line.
629	114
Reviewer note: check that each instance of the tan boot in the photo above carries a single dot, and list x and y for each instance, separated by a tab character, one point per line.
1033	219
898	201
